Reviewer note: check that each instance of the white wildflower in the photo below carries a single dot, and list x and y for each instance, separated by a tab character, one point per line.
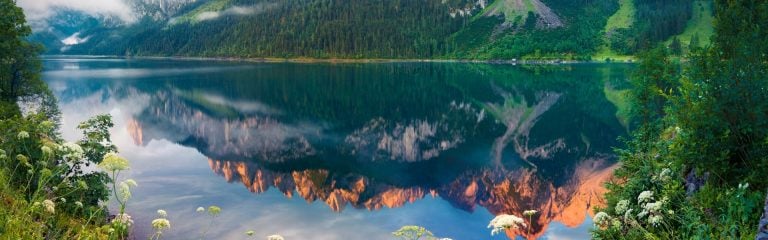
622	206
665	175
162	213
628	215
616	223
125	191
49	206
160	224
601	219
275	237
123	218
79	204
655	220
113	162
47	151
46	126
653	207
200	209
505	221
71	151
643	213
645	196
529	213
22	135
23	160
743	186
131	182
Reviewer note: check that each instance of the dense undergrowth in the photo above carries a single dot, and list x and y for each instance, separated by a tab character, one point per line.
45	193
695	167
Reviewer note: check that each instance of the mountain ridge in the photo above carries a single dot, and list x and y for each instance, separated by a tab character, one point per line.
372	29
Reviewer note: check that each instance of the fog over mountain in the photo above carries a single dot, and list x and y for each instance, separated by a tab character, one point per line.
38	10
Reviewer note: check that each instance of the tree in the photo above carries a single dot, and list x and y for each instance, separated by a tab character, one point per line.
675	47
694	43
20	65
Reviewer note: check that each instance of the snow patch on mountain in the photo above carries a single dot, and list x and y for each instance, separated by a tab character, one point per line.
74	39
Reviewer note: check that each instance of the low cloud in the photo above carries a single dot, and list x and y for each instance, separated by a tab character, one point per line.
235	11
40	10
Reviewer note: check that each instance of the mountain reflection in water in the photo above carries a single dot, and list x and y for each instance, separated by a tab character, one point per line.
504	138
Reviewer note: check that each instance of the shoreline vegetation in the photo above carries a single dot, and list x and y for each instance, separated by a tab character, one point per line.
695	165
626	59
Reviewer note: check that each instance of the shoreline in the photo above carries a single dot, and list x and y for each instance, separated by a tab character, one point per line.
343	60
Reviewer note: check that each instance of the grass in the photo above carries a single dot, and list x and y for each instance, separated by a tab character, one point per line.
623	18
605	53
20	220
701	24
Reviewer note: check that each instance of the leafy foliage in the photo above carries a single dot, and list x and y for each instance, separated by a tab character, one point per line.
706	150
19	64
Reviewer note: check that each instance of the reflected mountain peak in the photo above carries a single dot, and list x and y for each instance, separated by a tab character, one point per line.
499	191
408	131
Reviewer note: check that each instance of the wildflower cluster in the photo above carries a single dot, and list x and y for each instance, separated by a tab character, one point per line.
71	152
650	208
113	163
49	206
123	219
22	135
504	222
160	224
275	237
214	212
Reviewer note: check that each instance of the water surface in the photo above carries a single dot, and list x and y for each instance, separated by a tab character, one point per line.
353	151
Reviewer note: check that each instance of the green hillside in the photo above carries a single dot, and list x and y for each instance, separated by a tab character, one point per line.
700	25
448	29
623	18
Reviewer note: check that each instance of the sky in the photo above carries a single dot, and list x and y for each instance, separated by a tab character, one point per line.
37	10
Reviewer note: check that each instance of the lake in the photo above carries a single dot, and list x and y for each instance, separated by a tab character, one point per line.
353	151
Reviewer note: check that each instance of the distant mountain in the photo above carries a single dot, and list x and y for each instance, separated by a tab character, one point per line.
478	29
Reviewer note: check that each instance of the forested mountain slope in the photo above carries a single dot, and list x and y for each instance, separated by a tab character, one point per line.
463	29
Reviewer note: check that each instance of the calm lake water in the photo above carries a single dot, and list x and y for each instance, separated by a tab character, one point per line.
353	151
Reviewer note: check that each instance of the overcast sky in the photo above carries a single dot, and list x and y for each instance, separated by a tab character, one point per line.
40	9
